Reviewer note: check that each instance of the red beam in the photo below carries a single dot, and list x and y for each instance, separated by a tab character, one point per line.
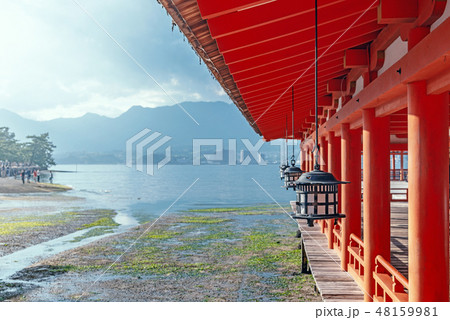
325	101
397	11
356	58
425	61
310	119
319	111
336	85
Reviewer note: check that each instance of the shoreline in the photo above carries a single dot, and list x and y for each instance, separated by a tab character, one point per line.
38	215
15	186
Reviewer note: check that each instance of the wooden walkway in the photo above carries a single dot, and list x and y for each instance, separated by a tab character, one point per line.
334	284
399	237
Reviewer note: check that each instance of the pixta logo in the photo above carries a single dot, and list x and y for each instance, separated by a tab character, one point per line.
143	152
140	150
218	155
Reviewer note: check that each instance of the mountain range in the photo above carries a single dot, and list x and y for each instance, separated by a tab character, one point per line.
93	138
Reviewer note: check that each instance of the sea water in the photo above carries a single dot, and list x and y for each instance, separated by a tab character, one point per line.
174	187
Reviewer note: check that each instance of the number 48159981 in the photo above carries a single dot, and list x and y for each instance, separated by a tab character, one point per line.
406	311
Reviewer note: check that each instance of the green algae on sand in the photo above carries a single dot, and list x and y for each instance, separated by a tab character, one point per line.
198	256
18	231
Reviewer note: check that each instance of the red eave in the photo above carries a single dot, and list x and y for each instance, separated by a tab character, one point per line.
259	49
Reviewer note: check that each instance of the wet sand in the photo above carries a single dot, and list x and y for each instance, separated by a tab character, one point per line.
18	232
31	218
38	214
240	255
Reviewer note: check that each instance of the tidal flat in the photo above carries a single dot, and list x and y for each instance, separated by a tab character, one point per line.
217	254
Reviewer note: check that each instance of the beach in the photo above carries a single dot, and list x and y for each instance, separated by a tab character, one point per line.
11	185
210	254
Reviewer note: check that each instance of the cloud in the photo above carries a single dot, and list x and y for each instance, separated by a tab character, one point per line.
111	106
220	92
196	96
59	63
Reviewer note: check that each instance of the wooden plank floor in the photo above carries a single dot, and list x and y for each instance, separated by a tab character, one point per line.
337	285
399	237
332	283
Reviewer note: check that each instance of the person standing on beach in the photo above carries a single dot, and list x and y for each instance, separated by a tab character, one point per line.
38	173
22	174
34	175
51	177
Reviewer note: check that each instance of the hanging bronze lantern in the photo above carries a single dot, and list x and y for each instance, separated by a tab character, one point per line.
291	175
317	197
317	191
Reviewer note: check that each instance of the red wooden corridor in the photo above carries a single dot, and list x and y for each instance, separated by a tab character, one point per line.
383	88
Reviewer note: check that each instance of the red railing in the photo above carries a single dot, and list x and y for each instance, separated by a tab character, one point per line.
390	285
399	174
337	238
356	259
395	175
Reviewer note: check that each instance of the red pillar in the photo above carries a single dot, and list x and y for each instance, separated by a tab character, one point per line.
351	193
334	167
308	159
303	160
376	195
428	225
323	153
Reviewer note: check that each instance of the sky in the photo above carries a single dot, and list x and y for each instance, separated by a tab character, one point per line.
55	61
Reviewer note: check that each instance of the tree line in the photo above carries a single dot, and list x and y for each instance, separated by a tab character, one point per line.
38	151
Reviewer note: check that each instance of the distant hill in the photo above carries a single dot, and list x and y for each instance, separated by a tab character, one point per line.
94	138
